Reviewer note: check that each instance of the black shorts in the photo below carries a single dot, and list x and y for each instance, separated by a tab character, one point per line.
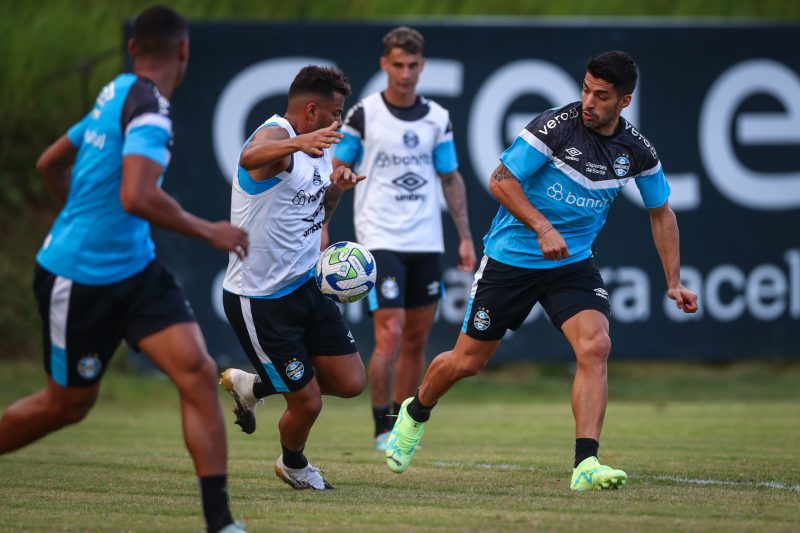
406	280
82	325
279	335
502	296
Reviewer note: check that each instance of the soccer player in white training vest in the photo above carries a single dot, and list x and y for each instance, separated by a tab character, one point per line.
404	143
555	184
283	190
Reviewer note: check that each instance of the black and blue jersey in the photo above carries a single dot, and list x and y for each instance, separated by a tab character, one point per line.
94	241
571	174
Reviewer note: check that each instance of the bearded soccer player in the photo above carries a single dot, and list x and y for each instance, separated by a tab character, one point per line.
555	184
404	143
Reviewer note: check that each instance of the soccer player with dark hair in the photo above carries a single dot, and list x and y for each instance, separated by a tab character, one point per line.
555	184
404	143
98	280
284	188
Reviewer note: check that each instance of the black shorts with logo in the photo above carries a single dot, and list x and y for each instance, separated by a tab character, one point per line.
82	325
279	335
406	280
503	296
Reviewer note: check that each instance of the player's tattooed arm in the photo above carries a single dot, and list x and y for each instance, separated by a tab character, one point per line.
511	195
455	193
501	173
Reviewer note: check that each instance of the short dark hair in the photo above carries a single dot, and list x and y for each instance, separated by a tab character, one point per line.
323	81
617	68
403	37
159	30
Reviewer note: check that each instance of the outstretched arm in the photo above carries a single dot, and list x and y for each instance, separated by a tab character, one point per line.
507	189
140	195
455	193
268	153
55	166
667	241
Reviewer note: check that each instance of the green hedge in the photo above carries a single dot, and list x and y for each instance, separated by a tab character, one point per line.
44	44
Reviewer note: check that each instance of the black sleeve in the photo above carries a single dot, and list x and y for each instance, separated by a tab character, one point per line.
143	98
355	119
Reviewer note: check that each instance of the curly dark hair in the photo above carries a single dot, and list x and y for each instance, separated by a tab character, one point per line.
323	81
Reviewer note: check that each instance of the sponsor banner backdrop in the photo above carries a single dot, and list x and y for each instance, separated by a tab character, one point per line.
720	103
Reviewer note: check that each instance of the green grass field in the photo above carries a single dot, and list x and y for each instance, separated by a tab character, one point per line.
706	449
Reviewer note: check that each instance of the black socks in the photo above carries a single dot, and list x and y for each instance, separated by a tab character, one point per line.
585	448
383	422
214	496
418	412
294	459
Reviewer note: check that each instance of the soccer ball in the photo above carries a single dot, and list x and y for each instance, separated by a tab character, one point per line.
345	272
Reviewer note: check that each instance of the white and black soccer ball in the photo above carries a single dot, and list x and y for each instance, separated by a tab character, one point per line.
345	272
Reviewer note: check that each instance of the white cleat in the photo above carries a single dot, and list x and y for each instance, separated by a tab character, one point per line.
380	441
309	477
239	385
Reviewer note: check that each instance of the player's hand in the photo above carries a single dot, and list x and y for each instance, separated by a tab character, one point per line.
685	299
553	245
344	178
229	238
313	143
466	251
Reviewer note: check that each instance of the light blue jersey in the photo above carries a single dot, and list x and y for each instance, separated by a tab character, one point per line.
572	176
94	241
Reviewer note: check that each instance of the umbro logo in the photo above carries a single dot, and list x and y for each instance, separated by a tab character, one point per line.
572	154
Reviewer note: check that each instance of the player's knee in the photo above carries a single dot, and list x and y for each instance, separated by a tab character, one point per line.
389	334
414	344
595	348
310	407
71	409
354	386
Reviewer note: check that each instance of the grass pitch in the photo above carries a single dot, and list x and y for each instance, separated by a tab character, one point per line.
706	449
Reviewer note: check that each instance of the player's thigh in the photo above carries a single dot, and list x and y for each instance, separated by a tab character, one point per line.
179	350
390	281
82	326
423	280
418	323
500	299
574	288
272	333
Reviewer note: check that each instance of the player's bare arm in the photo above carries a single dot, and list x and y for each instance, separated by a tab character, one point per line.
455	193
667	240
342	179
506	188
140	195
55	166
268	154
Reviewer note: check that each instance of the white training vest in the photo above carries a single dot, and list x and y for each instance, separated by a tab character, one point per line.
398	206
283	216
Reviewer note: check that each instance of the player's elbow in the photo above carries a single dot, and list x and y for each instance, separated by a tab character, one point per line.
247	160
132	201
496	190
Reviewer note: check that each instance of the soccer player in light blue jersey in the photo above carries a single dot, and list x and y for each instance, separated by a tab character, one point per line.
97	278
555	184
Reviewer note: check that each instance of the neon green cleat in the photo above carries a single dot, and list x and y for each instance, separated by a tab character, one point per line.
591	475
403	440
